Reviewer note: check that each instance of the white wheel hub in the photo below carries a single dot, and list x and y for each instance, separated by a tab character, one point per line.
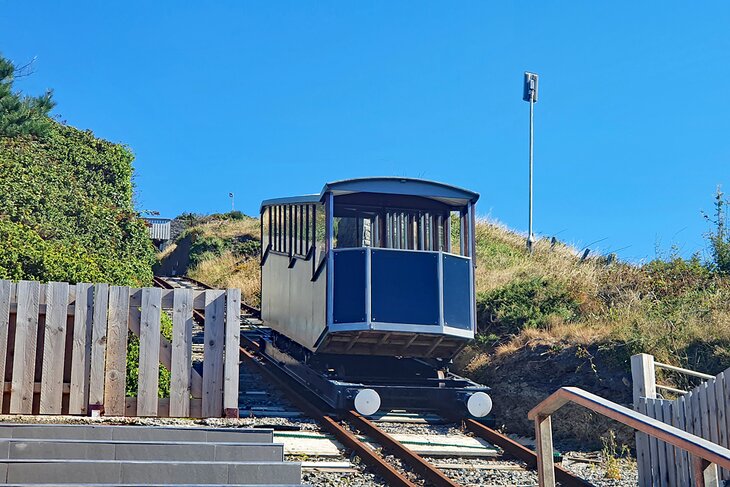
367	402
479	404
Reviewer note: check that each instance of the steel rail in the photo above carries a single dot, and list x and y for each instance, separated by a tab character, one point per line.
430	473
511	447
347	438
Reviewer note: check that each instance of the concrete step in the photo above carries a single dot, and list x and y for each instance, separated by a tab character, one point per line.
142	473
41	449
135	433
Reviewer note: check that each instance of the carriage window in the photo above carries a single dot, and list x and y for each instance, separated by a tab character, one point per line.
276	228
353	231
265	229
320	231
301	229
455	233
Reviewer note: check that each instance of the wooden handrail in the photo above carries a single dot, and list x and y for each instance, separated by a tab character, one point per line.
706	455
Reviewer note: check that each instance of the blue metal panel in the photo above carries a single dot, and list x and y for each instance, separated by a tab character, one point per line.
405	287
349	286
457	292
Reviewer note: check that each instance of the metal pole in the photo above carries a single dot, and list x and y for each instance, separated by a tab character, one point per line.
530	236
529	94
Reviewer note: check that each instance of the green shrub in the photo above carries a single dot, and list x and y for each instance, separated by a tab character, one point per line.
66	211
235	215
719	235
246	247
163	388
522	304
203	247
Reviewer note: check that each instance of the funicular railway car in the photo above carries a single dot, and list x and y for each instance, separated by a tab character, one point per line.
368	288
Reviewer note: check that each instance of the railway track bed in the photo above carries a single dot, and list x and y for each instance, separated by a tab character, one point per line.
395	448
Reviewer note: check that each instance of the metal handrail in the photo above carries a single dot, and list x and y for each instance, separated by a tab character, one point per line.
683	371
705	454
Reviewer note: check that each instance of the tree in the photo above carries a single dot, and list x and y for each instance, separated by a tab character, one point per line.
21	114
719	235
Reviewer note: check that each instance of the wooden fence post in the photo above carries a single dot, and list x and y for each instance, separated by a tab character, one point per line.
643	375
232	353
705	473
544	450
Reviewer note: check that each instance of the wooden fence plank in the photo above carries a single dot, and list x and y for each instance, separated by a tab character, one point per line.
163	408
689	400
196	380
81	350
653	444
54	347
116	351
712	412
149	352
722	407
682	456
643	456
98	345
704	411
213	354
667	417
232	355
26	332
6	290
182	331
661	446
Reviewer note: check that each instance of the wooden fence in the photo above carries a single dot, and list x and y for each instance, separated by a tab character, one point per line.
704	411
63	350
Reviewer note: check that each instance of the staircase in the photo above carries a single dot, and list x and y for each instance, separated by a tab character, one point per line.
106	455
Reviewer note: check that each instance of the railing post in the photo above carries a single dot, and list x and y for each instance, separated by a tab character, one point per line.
544	446
705	473
643	375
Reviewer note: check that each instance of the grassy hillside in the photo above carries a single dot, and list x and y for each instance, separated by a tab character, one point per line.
66	210
223	251
678	310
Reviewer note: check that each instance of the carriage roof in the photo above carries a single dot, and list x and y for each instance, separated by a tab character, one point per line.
445	193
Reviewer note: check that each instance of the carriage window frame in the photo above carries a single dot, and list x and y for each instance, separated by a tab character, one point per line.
290	230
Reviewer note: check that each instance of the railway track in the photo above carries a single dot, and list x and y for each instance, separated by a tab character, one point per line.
418	471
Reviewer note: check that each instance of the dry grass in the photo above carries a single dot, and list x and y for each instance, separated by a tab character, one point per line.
501	259
226	229
229	271
167	251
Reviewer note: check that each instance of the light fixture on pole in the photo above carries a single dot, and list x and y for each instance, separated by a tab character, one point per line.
529	93
233	208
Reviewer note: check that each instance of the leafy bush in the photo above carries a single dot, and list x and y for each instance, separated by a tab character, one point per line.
163	388
523	304
246	246
66	211
675	276
204	247
235	215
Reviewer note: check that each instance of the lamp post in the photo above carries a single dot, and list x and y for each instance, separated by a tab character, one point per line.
529	94
232	205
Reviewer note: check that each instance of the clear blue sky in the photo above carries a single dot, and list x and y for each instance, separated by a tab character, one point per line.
272	99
